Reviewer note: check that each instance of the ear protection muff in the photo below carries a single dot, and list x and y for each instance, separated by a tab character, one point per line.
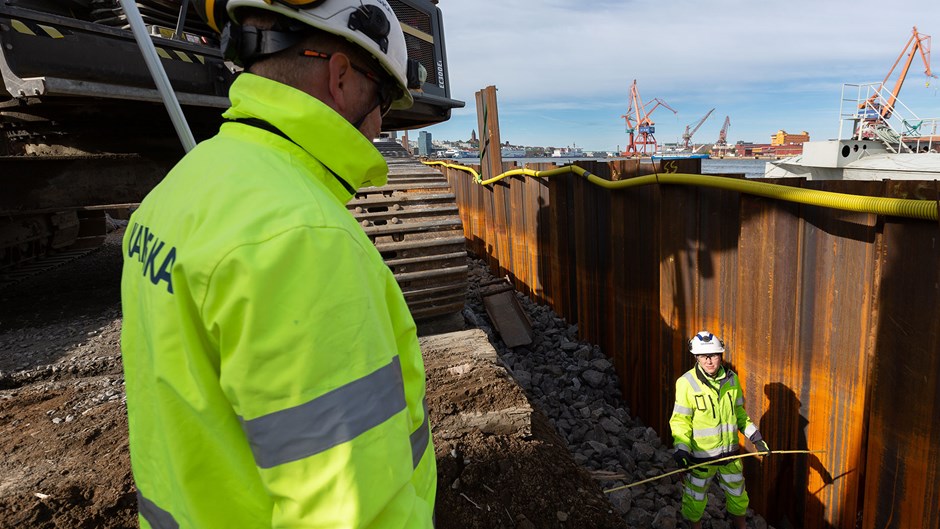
705	337
372	22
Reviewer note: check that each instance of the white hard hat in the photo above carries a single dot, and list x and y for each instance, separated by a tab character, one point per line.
706	343
369	24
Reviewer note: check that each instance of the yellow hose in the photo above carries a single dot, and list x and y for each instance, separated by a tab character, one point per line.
471	170
898	207
729	458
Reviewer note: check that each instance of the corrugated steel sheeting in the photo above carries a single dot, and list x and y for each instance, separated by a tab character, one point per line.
832	320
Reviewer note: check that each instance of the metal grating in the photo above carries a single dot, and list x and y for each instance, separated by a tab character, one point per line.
411	16
421	51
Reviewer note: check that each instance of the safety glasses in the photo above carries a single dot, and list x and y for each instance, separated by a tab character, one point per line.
386	90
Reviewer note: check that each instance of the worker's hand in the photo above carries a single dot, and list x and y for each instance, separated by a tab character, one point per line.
762	447
682	458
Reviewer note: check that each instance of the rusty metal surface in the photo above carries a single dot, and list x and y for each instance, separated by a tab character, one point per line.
903	458
831	320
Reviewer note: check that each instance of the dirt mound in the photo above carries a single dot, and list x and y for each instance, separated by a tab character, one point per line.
500	463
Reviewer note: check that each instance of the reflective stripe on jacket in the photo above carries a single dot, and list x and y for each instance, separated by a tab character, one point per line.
273	372
708	415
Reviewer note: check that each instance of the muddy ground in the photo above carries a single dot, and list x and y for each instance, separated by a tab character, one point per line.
63	425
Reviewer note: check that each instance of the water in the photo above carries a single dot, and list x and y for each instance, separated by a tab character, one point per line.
750	167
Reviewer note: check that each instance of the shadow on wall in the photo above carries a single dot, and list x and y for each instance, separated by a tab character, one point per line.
790	501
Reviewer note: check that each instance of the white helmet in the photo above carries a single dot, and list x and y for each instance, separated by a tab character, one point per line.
706	343
369	24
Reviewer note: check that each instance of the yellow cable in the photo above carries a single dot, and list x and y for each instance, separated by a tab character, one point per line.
729	458
471	170
898	207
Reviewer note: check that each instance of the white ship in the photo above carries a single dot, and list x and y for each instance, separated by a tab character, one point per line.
568	152
882	145
512	152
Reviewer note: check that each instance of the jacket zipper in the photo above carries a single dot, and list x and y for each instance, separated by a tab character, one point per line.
713	406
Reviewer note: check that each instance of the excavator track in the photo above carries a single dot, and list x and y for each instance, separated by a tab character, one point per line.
414	223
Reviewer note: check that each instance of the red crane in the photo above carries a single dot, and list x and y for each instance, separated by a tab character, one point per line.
640	125
879	106
687	135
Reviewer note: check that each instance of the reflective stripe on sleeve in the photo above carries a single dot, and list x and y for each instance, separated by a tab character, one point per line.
680	446
682	410
155	516
329	420
739	401
717	430
692	382
750	430
419	439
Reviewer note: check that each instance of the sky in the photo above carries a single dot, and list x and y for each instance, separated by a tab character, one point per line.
563	68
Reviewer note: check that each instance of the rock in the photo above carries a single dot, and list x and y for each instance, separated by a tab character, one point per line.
621	500
643	451
666	518
562	516
594	378
601	364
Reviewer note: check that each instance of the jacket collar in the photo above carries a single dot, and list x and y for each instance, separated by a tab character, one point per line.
722	376
314	127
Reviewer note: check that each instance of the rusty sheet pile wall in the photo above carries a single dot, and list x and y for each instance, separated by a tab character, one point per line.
832	320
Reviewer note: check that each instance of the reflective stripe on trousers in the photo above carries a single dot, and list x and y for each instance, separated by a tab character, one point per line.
731	480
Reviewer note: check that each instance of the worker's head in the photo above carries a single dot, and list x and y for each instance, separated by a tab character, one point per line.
350	54
707	349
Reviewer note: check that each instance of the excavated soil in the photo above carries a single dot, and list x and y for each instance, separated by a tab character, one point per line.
63	424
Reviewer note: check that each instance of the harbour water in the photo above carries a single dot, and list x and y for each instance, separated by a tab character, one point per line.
749	167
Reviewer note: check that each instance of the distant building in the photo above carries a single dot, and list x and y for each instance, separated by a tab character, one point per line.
473	136
783	138
766	150
424	144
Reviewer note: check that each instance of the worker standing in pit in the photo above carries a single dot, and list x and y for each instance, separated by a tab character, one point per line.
708	414
273	372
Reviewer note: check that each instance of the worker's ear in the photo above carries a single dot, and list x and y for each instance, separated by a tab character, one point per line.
340	83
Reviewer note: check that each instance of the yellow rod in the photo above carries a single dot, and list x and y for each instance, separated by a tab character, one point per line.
898	207
729	458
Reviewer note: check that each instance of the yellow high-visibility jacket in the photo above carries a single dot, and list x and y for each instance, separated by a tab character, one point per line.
273	372
708	415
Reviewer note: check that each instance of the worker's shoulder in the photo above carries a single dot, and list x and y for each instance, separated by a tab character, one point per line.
225	194
687	377
234	176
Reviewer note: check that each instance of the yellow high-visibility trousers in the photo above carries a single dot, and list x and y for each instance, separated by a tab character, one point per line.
731	480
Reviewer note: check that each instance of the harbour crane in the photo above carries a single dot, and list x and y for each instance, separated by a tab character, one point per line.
640	126
687	135
879	107
723	133
721	146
